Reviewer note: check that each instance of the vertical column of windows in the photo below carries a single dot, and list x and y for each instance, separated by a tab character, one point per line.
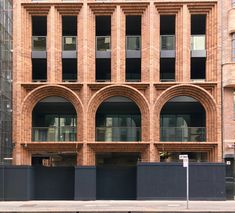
39	56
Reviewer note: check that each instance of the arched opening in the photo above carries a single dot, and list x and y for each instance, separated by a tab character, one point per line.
54	119
118	119
183	119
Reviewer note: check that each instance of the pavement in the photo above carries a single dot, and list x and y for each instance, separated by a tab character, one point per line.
117	206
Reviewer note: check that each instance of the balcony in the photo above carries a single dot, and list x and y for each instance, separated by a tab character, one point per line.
124	134
103	47
133	46
198	45
183	134
69	46
54	134
167	46
39	46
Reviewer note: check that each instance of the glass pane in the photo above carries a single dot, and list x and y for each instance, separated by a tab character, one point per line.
198	42
103	43
39	43
133	42
69	43
167	42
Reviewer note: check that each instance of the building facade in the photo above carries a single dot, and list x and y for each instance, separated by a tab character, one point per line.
228	67
115	83
5	80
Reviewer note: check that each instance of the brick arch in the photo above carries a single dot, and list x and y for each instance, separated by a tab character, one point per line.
125	91
196	92
40	93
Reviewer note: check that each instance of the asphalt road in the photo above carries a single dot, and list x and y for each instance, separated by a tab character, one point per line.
117	206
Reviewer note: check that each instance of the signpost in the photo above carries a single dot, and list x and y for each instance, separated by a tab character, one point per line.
185	164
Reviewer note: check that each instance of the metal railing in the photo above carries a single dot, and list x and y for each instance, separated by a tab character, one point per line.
69	43
65	133
167	42
39	43
198	42
183	134
133	42
118	134
103	43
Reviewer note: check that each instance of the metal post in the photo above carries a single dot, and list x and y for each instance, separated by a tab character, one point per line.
187	171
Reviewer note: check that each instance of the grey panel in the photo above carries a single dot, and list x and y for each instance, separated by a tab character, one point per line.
168	181
16	183
69	54
133	54
167	53
116	183
103	54
53	183
198	53
39	54
85	183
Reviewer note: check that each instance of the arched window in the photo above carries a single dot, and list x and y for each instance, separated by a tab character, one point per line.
118	119
54	119
183	119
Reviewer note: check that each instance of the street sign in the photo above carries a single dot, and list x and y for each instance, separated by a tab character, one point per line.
185	162
181	157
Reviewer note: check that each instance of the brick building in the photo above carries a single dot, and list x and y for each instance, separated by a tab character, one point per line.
115	83
228	66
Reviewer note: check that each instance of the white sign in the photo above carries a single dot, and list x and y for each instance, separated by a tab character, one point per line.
182	157
185	162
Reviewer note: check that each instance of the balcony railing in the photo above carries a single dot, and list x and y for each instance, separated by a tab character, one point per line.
167	42
39	43
198	42
183	134
103	43
123	134
133	43
69	43
65	133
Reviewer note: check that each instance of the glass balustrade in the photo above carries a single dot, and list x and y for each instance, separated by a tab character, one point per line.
183	134
198	42
65	133
103	43
167	42
69	43
133	43
38	43
118	134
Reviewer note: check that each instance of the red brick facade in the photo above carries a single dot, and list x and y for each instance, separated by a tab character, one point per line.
86	95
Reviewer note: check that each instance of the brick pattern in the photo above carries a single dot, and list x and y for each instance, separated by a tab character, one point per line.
86	95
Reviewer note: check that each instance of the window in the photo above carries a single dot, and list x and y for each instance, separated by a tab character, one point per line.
233	47
234	104
233	3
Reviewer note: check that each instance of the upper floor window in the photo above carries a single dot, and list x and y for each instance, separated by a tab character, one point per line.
233	3
233	47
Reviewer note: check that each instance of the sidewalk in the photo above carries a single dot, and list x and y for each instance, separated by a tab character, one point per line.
117	206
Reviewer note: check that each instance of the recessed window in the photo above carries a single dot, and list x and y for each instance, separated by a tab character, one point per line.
39	69
233	3
233	47
103	48
133	48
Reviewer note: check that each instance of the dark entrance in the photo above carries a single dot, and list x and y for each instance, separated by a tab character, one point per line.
116	176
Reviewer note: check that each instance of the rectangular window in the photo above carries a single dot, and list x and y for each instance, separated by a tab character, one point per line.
133	48
103	48
233	47
69	69
234	104
39	69
39	33
198	47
